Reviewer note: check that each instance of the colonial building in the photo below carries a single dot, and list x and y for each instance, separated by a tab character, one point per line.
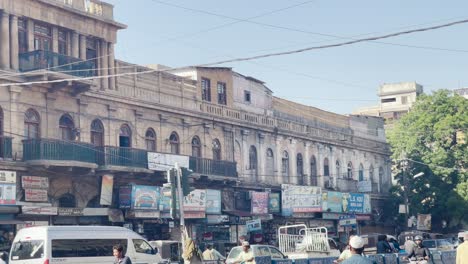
80	128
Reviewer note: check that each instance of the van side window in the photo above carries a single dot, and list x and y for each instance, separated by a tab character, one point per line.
141	246
29	249
73	248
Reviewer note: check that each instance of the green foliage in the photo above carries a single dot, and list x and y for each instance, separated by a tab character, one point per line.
427	137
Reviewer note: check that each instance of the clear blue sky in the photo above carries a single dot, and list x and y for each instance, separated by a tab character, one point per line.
336	79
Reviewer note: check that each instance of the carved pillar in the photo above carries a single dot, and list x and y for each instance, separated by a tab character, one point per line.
261	160
112	69
30	29
83	47
16	120
14	46
75	44
104	65
5	41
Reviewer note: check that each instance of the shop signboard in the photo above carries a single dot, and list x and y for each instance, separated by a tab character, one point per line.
143	214
34	182
254	225
164	201
107	184
164	162
424	222
347	220
332	202
213	201
356	203
274	203
35	195
62	211
95	211
364	186
195	201
125	196
259	203
145	197
217	219
7	187
39	210
331	216
300	199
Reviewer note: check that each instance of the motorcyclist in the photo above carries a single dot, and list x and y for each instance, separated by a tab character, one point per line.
419	254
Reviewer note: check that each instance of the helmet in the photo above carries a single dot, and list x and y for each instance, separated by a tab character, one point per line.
418	238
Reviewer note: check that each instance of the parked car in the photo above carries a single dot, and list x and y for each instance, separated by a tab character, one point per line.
258	251
438	244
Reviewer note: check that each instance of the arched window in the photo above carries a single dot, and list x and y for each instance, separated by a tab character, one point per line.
252	158
361	172
174	142
150	139
326	167
67	127
285	163
350	170
216	150
31	124
270	163
125	136
300	169
196	147
313	171
97	133
371	173
67	200
338	169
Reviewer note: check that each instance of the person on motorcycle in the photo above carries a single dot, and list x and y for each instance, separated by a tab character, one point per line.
419	254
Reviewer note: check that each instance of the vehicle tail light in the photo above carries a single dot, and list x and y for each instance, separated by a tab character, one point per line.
46	261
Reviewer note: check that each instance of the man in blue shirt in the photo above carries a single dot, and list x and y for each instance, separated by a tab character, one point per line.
356	246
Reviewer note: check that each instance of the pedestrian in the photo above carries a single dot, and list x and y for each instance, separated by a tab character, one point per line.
383	247
420	254
356	246
246	256
462	250
119	255
346	254
211	254
409	245
395	244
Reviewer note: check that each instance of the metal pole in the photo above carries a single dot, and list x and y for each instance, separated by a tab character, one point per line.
405	193
181	203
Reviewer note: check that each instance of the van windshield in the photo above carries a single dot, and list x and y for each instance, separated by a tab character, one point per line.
30	249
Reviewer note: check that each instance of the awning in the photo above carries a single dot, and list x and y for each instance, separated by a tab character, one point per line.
237	213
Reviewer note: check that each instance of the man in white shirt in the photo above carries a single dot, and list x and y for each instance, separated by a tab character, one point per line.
212	254
246	256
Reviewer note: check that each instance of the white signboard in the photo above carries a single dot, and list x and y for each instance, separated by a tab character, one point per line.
195	201
7	176
364	186
35	195
39	210
31	224
254	225
164	162
106	189
34	182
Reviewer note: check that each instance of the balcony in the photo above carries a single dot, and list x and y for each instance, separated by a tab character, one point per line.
110	158
346	185
213	167
5	147
51	61
55	152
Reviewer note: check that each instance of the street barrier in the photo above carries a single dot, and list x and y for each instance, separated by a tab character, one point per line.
448	257
301	261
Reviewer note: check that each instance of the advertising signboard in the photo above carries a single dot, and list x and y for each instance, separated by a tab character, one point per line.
356	203
213	201
195	204
145	197
164	162
347	220
424	222
7	187
107	185
300	199
331	202
35	195
259	203
254	225
125	196
274	203
34	182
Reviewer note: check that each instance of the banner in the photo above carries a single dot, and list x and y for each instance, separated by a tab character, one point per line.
332	202
356	203
300	199
424	222
164	162
254	225
7	176
274	203
8	187
213	202
259	203
34	182
145	197
107	185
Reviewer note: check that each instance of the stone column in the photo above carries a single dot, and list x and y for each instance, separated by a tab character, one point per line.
104	65
261	161
5	41
293	175
75	44
16	120
278	162
55	39
14	46
83	47
112	69
320	164
306	165
30	30
246	152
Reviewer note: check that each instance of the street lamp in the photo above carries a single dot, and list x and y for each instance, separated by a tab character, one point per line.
405	180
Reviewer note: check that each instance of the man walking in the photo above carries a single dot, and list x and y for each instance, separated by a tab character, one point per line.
211	254
120	257
356	246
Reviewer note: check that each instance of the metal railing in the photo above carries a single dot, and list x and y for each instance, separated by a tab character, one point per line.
213	167
122	156
55	149
6	147
48	60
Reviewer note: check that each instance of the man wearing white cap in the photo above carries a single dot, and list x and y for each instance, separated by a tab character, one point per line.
462	251
356	246
246	256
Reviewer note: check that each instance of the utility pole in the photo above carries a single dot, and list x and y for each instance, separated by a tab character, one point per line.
405	193
181	202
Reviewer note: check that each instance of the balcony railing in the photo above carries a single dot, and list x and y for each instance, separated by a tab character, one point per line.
213	167
54	149
346	185
121	156
5	147
48	60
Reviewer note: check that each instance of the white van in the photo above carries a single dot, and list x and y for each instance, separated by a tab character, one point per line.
79	244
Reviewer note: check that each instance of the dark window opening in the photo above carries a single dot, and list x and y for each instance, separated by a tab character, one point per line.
206	89
222	96
125	136
388	100
247	96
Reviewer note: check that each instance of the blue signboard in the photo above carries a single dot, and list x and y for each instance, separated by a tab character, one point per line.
125	196
145	197
356	203
213	202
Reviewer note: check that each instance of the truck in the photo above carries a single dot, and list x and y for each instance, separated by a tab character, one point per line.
299	241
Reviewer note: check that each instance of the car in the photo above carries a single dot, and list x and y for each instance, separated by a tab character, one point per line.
438	244
258	251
